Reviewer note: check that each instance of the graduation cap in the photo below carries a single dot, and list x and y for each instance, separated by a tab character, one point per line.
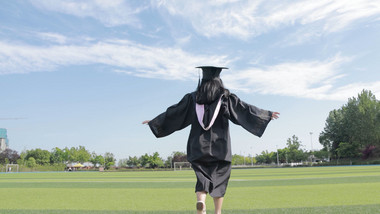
209	72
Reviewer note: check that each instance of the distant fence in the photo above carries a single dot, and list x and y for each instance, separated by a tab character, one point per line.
39	168
340	162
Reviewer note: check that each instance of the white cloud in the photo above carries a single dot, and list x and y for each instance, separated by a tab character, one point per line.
124	55
110	13
352	90
309	79
53	37
181	41
244	19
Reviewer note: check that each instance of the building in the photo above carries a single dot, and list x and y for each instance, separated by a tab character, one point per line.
4	142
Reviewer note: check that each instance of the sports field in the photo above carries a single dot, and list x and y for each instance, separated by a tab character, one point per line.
353	189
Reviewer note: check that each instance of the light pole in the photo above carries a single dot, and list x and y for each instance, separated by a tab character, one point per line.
244	158
311	154
251	157
311	140
278	164
104	161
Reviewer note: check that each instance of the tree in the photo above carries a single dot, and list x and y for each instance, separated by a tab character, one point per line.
10	155
133	162
31	162
73	154
144	160
151	161
175	157
250	160
348	150
283	155
356	123
56	155
266	157
109	160
66	154
334	131
241	160
22	159
122	162
294	153
97	160
155	161
369	152
237	159
179	157
168	162
83	155
321	154
362	113
42	157
293	143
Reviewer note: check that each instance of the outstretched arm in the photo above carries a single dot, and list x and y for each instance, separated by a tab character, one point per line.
251	118
175	118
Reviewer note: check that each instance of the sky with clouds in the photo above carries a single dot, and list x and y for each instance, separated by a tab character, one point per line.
88	72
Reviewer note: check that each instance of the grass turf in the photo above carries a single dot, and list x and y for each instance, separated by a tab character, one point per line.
281	190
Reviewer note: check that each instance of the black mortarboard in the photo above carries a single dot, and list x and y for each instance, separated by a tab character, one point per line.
209	72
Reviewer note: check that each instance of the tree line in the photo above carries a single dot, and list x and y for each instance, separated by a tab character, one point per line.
292	153
32	158
39	157
153	161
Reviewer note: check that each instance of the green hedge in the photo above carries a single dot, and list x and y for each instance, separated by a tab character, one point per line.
43	168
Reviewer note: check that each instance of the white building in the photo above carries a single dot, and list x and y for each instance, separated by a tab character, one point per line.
3	139
3	145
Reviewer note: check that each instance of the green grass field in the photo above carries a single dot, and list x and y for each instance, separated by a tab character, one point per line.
277	190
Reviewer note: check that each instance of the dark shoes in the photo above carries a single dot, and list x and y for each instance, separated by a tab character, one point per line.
201	206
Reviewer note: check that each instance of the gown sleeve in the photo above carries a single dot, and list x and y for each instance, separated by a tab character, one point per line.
251	118
175	118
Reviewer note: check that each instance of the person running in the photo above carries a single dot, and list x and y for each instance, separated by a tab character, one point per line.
208	110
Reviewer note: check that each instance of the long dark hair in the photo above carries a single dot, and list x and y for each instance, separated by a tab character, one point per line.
210	90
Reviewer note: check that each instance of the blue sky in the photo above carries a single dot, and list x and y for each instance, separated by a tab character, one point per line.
89	72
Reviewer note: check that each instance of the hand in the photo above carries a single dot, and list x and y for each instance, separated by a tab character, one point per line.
145	122
275	115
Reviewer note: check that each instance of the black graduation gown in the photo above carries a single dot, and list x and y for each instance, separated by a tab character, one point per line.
209	151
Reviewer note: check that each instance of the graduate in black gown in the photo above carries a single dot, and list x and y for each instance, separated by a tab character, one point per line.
208	110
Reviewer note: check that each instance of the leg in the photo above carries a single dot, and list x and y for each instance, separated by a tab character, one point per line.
201	202
218	202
